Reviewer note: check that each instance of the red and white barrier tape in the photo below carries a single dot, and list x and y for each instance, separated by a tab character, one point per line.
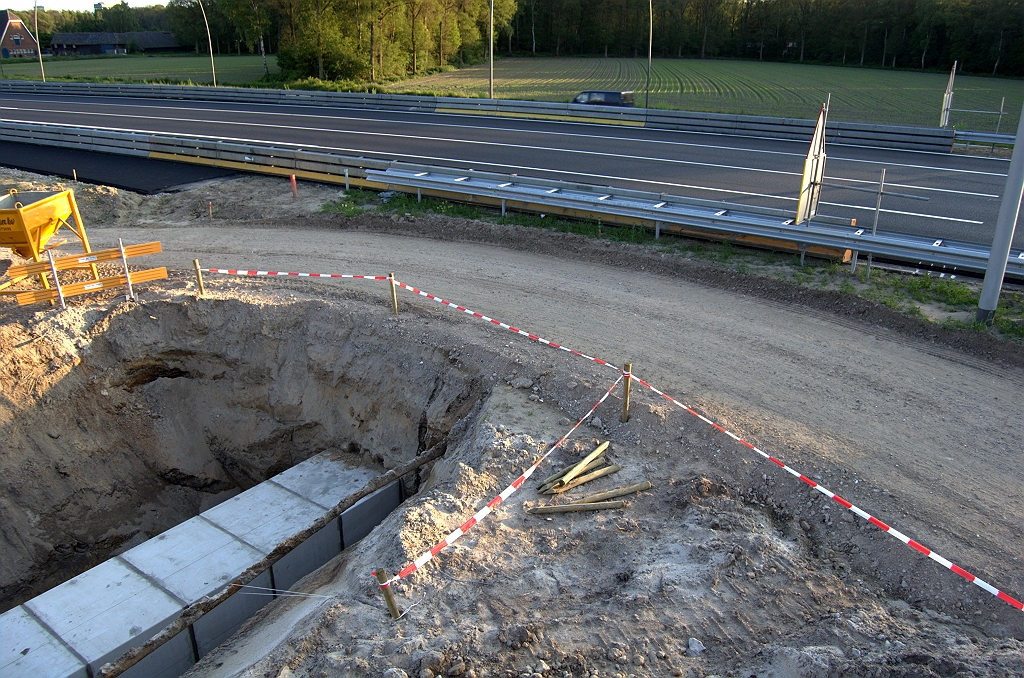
491	505
506	326
426	557
232	271
832	495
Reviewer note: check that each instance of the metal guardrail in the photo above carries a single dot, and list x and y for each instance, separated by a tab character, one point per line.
525	194
856	134
984	137
676	210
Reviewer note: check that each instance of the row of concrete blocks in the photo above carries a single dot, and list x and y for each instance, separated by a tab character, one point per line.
73	629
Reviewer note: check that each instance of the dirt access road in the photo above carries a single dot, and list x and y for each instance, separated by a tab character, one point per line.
917	425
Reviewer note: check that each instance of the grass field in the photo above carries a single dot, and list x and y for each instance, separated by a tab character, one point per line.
754	88
167	68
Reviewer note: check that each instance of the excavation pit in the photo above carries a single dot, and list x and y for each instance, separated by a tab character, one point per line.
124	423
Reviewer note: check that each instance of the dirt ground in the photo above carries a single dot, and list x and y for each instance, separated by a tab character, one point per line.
728	566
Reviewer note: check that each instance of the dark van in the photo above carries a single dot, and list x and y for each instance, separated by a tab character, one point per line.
605	98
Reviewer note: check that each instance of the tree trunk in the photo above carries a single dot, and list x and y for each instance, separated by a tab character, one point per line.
373	49
803	40
864	44
413	37
924	52
440	43
704	42
533	24
999	52
266	71
885	45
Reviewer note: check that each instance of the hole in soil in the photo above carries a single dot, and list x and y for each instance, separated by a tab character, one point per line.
175	407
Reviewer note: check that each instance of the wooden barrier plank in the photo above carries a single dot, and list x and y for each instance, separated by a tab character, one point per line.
84	260
86	286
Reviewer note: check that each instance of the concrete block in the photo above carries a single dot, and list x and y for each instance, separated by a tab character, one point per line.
193	559
27	650
358	521
309	555
104	611
220	623
264	516
324	481
170	660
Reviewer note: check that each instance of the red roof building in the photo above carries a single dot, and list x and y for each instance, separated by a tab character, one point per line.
15	40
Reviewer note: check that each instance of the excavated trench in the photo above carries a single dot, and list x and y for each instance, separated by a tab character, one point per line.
119	425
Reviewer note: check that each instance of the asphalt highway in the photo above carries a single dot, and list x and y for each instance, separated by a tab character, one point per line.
963	192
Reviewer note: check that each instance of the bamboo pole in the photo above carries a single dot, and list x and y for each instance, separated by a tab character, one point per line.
594	475
389	596
612	494
572	508
627	370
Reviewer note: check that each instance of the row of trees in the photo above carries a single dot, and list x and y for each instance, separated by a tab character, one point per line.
986	36
381	39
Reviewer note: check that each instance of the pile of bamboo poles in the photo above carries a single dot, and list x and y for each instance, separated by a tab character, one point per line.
595	465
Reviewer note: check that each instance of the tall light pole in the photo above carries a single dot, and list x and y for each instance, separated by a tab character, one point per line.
39	48
1006	222
209	41
650	48
490	49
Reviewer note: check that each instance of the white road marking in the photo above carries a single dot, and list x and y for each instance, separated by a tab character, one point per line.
552	133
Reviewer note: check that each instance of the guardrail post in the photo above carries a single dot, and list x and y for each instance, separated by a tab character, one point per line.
394	293
199	277
419	195
657	230
874	225
346	178
502	207
389	596
627	370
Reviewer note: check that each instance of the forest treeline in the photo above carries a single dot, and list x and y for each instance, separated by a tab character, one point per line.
374	40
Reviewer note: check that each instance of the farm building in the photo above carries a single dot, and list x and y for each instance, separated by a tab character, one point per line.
15	40
80	44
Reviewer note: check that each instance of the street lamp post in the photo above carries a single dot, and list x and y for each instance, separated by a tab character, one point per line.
490	49
209	42
650	48
39	48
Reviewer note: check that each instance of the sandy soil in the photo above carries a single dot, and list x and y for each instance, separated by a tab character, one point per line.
918	425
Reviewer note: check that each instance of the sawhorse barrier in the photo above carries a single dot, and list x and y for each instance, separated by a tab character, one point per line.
61	292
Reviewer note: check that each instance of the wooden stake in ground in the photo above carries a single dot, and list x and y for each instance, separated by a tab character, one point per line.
394	293
199	277
627	371
389	596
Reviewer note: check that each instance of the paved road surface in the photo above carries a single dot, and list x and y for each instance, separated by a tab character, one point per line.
963	192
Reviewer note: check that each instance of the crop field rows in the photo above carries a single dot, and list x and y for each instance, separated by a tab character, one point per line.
752	88
745	87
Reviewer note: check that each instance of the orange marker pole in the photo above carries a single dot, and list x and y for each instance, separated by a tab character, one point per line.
295	188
